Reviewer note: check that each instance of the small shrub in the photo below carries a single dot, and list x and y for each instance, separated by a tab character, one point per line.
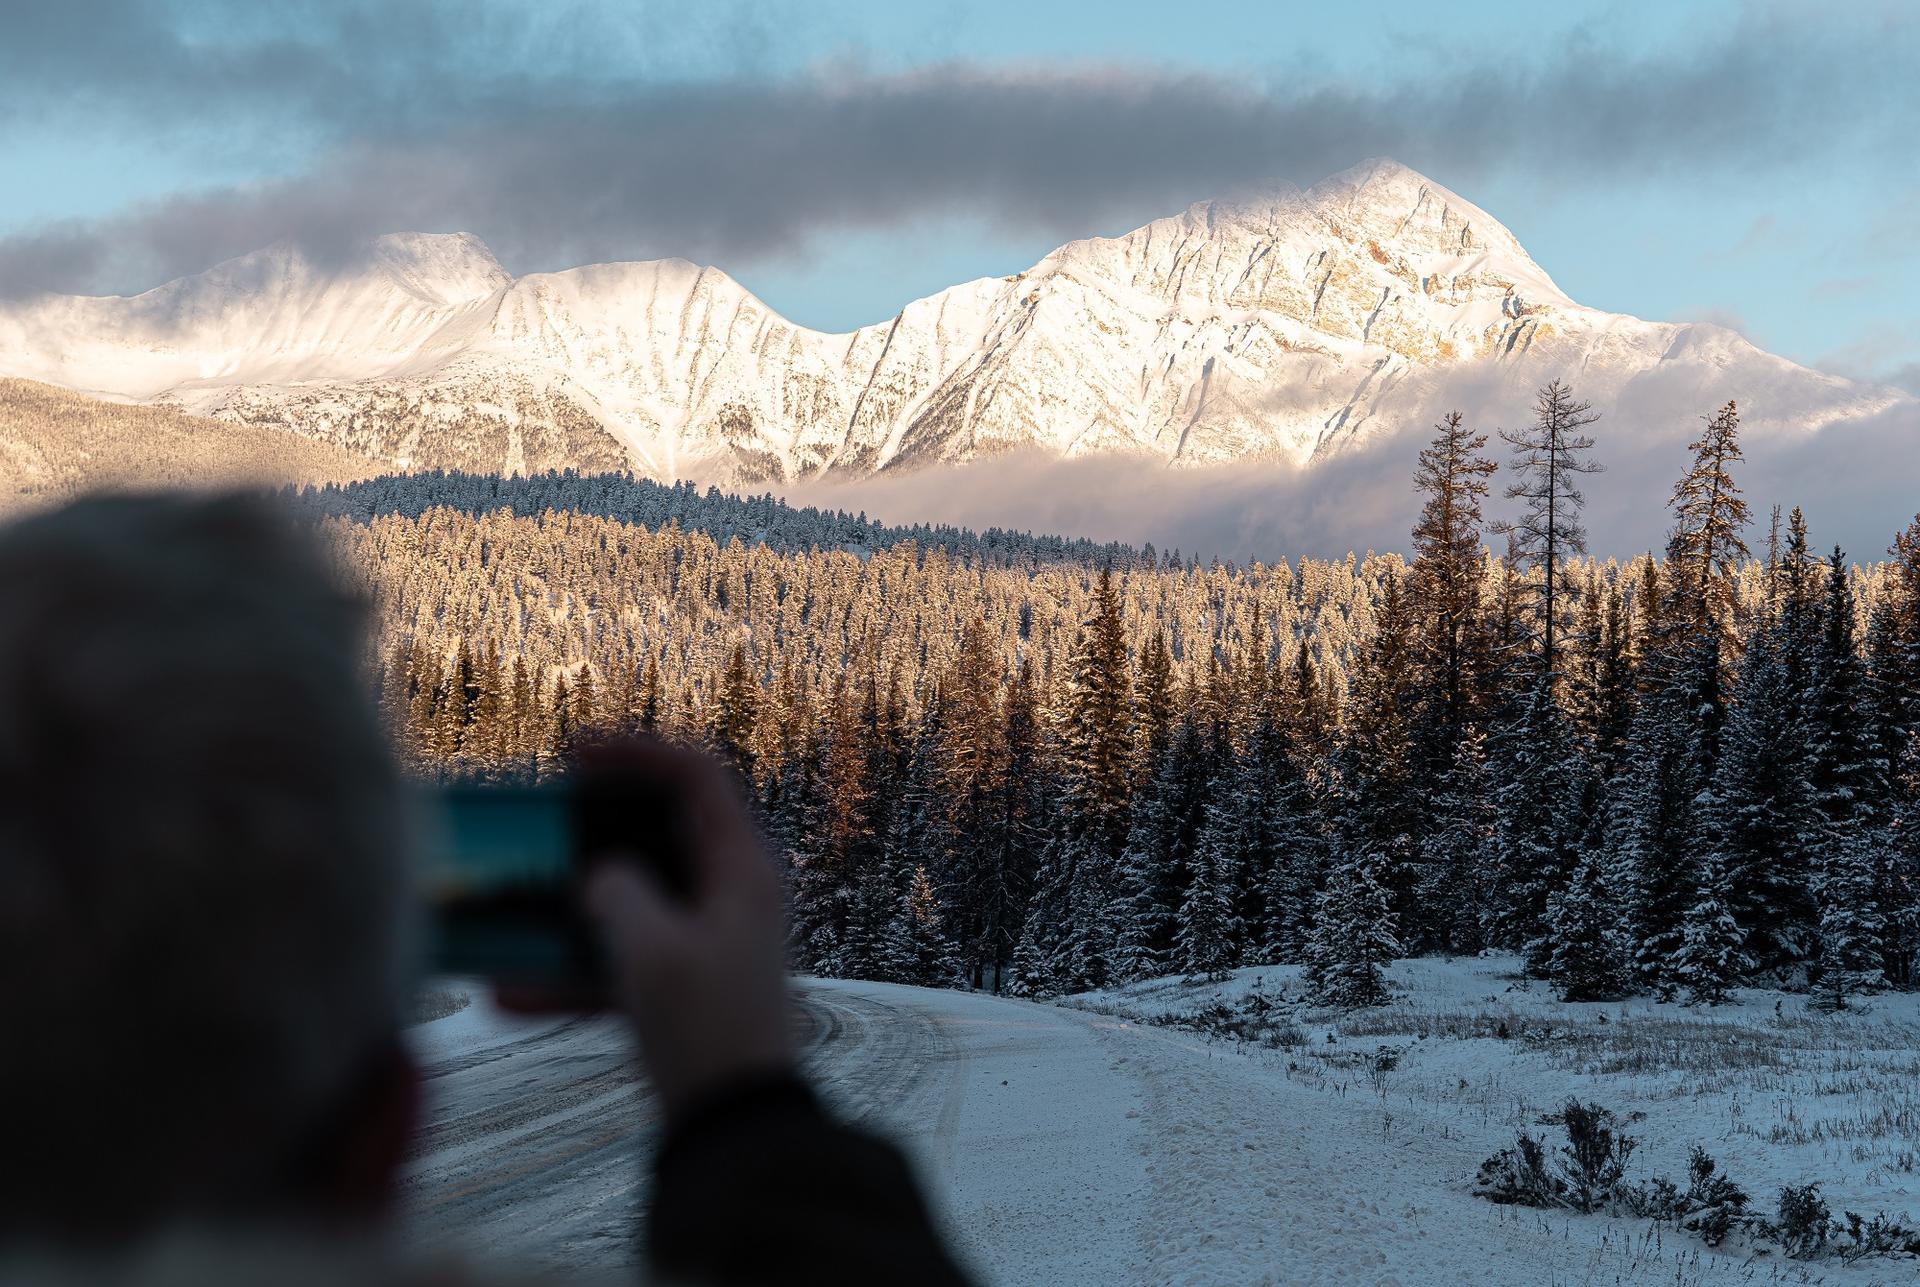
1877	1237
1518	1177
1805	1221
1587	1174
1594	1158
1283	1034
1714	1204
1657	1198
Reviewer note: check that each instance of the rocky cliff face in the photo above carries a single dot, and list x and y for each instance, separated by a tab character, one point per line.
1292	326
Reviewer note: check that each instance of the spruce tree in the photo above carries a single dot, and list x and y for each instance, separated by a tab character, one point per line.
1537	827
1849	790
1584	963
1166	823
1159	704
1458	901
1759	827
1096	734
1026	796
1379	809
915	947
1354	936
838	842
1207	929
1706	548
1652	837
1040	963
1711	958
736	710
1451	648
1851	927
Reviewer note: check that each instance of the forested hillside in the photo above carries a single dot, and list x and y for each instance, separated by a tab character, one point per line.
55	444
1043	774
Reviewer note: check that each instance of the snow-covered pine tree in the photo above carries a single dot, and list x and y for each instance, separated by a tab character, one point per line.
1030	970
1851	927
1652	838
870	905
1455	895
1849	792
1378	810
1760	826
1290	814
1096	731
1537	825
837	841
1165	822
915	946
1711	959
1096	738
1600	679
1585	960
1903	940
1033	970
1084	958
1207	931
1007	875
1354	937
1159	706
735	711
1886	698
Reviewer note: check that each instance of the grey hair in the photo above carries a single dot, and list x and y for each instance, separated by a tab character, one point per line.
205	933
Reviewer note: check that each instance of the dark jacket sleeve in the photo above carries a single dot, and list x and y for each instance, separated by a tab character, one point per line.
761	1185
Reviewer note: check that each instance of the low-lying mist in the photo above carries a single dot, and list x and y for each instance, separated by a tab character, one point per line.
1857	480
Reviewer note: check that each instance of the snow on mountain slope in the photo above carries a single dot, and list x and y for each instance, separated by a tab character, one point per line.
1289	327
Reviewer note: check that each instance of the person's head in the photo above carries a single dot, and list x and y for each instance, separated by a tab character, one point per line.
204	928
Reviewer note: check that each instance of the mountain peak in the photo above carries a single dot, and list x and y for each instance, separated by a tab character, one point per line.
1289	324
1391	204
440	267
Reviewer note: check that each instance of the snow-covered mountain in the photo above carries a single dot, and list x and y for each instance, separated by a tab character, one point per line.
1290	327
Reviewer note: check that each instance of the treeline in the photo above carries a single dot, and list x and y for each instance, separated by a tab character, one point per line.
1670	776
763	519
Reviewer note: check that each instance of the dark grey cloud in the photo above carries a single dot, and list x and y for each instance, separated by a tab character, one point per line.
556	140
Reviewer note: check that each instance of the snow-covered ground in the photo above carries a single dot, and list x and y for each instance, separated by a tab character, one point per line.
1092	1143
1776	1094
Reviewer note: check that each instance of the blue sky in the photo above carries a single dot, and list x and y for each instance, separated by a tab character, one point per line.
1675	176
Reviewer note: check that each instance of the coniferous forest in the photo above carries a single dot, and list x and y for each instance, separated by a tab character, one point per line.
1038	765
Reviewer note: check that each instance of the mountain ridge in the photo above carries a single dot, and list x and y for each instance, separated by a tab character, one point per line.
1291	325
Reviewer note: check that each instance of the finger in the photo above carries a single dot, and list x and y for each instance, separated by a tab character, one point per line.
636	917
728	852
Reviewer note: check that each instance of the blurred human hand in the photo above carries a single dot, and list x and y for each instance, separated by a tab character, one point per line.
703	977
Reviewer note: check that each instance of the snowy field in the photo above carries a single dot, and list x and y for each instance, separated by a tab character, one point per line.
1474	1054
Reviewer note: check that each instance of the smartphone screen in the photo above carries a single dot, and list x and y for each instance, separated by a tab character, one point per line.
501	874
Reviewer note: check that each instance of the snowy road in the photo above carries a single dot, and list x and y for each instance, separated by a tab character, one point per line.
1060	1147
535	1131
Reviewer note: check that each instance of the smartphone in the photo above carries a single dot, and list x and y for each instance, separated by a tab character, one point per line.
503	866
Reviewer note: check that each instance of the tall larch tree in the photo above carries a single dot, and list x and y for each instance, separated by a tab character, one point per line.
1549	458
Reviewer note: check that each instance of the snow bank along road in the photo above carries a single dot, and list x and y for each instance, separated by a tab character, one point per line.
1059	1146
